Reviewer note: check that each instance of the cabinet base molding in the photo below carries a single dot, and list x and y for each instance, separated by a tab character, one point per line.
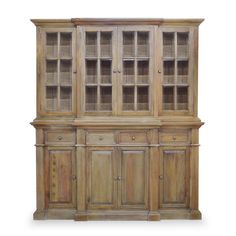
166	214
55	214
116	215
173	214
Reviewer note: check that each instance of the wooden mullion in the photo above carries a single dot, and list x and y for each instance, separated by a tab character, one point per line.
98	70
175	71
58	71
135	69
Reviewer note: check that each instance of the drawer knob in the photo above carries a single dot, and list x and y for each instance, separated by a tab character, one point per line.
174	138
133	137
59	138
100	138
161	177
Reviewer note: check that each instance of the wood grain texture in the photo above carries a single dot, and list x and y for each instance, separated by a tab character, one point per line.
117	164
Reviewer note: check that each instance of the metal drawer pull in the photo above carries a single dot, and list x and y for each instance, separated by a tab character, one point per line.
60	138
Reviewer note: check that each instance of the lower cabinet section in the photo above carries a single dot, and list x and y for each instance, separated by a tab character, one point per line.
133	178
119	177
60	177
101	185
174	177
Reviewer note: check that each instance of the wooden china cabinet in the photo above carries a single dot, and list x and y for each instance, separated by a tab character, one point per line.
117	124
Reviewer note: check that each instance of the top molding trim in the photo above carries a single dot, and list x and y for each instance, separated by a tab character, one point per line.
117	21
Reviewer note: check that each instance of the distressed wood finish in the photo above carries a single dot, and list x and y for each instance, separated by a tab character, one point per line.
117	127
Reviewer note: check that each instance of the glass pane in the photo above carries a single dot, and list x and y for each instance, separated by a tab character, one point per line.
182	72
51	44
106	99
91	99
105	72
182	98
128	72
65	45
143	72
168	45
128	44
51	72
143	44
128	98
182	45
168	98
65	72
169	67
66	98
91	71
106	44
51	98
91	44
142	98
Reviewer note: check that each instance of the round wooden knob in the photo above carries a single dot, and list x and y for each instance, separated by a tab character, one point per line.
59	138
174	138
100	138
133	137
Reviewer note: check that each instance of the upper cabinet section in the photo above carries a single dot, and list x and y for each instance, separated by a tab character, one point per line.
122	67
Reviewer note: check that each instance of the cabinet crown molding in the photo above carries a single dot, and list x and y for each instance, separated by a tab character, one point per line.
118	21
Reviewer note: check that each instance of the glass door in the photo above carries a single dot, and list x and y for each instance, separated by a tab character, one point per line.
176	76
58	71
97	69
135	69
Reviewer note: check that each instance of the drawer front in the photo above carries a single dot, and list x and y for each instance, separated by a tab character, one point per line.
174	137
133	137
97	138
60	136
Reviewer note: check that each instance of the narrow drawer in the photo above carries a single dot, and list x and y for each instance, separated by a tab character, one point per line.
171	136
60	136
133	137
97	138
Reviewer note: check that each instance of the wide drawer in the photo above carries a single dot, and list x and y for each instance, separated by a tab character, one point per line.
60	136
97	138
174	136
133	137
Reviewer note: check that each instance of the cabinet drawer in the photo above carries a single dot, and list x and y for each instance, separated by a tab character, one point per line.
174	136
97	138
133	137
60	136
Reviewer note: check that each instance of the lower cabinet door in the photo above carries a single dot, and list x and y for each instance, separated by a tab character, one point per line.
133	178
60	177
102	172
174	177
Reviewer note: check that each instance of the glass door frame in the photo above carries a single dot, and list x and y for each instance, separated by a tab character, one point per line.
150	57
81	31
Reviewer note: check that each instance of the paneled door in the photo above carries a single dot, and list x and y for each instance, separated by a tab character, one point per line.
174	177
60	177
133	178
135	69
102	172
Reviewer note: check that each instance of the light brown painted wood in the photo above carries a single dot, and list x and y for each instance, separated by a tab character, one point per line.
60	172
174	177
133	178
102	172
117	119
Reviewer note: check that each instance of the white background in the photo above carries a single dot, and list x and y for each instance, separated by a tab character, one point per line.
217	97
